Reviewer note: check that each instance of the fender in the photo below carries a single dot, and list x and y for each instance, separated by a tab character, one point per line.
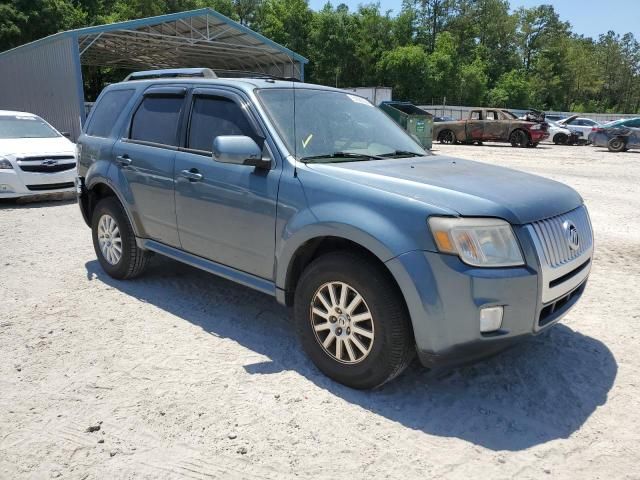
375	231
100	173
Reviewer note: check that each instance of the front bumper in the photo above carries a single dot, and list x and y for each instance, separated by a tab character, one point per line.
15	183
444	297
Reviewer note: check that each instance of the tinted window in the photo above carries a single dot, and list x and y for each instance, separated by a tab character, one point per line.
156	120
633	123
214	116
107	111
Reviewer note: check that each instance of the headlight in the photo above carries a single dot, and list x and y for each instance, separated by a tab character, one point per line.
480	242
5	164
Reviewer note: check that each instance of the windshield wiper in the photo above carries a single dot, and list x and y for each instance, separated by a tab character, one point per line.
353	155
401	153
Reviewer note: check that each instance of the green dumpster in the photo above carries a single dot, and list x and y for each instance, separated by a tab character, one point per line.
417	122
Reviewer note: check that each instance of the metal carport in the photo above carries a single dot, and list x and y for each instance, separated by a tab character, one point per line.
45	77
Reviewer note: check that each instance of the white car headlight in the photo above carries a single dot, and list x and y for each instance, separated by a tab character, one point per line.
5	164
480	242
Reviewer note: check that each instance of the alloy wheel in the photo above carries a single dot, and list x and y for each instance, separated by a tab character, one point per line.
109	239
342	322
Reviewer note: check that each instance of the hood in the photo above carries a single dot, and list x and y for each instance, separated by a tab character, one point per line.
567	120
466	187
36	146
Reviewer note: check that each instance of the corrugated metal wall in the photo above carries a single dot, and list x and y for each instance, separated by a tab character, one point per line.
43	79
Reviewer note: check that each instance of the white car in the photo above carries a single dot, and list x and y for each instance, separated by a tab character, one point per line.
581	126
34	157
558	134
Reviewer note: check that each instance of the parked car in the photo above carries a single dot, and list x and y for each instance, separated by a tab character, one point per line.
34	157
563	136
621	139
493	125
581	126
381	249
558	134
601	135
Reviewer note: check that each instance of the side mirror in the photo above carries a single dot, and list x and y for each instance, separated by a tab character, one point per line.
239	150
65	134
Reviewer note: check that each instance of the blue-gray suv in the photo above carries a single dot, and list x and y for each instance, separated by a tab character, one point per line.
316	197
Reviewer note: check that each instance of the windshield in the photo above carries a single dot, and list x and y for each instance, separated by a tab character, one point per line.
330	126
25	126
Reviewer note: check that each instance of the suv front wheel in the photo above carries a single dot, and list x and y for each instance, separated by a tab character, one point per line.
115	242
352	320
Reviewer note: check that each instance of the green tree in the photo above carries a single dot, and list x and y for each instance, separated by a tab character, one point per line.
23	21
443	79
512	91
332	48
406	69
473	83
286	22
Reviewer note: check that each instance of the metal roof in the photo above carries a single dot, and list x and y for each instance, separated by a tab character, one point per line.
203	38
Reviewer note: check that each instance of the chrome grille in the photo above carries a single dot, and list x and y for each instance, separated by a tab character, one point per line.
553	239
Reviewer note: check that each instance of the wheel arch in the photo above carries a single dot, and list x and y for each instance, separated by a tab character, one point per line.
100	189
315	247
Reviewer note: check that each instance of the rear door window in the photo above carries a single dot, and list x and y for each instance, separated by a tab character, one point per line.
156	120
106	112
215	116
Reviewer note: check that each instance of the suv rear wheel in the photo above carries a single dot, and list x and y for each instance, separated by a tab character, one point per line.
352	321
115	242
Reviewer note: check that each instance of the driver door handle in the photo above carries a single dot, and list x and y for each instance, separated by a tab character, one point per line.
124	160
192	175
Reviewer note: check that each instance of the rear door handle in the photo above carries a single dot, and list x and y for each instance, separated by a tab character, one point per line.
124	160
192	175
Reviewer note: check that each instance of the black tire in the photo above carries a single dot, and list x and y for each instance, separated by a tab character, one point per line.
617	145
392	347
447	137
560	138
519	138
133	260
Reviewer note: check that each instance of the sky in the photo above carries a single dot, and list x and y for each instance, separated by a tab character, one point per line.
588	17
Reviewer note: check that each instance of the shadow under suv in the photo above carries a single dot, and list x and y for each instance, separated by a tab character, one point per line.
316	197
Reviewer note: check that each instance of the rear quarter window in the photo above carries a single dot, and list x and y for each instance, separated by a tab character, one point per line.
106	112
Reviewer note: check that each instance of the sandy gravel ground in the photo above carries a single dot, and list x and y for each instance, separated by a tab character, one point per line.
187	375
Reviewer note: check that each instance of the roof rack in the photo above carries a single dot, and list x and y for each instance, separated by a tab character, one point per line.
249	74
172	73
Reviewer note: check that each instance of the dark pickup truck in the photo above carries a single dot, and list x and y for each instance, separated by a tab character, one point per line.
493	125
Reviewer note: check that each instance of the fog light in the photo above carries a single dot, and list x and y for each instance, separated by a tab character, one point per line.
490	319
4	188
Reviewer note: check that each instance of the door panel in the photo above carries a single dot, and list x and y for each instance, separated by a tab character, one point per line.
147	182
475	130
226	213
229	215
475	126
494	127
145	161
